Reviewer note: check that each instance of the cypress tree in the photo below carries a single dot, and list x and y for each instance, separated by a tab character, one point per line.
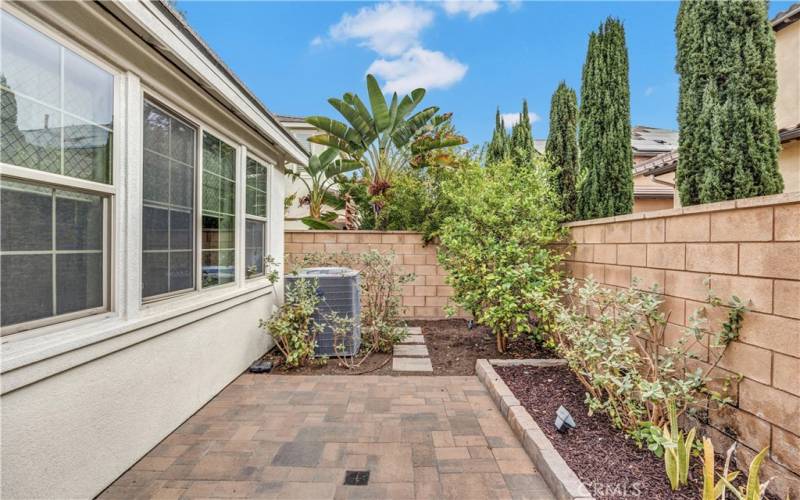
604	125
521	147
562	147
497	149
728	137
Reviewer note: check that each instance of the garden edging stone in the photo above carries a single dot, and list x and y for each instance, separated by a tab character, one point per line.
562	480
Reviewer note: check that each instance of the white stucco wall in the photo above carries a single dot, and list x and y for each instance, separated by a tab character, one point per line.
81	401
70	435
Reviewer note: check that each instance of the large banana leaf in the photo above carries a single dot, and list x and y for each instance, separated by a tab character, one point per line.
329	216
334	142
425	144
313	223
406	131
364	128
327	157
378	103
409	102
342	167
332	200
335	128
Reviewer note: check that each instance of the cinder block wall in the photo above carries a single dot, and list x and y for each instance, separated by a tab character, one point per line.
422	299
749	248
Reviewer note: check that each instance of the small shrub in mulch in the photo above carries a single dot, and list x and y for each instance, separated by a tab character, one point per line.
608	463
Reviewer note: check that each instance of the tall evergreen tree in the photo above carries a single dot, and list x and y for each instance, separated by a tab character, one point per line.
521	147
728	137
562	147
497	149
604	126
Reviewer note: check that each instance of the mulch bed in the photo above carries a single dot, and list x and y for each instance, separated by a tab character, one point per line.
608	463
454	348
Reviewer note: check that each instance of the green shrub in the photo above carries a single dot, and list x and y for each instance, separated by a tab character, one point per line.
494	245
292	327
614	342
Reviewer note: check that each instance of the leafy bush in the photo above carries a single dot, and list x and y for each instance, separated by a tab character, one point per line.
614	342
381	324
292	327
495	245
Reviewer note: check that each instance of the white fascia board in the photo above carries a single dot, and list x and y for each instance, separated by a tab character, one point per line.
166	36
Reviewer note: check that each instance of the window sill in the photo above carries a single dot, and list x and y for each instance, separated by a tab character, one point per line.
28	357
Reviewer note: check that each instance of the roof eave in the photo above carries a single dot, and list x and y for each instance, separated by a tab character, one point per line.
166	31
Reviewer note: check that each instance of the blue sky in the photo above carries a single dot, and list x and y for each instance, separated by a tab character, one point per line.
472	56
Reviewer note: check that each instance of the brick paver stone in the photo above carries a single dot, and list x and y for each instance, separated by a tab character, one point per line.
268	436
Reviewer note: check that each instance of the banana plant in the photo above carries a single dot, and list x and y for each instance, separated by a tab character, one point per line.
322	175
386	137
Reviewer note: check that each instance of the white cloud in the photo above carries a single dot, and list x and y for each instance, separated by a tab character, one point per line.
649	91
511	119
418	67
389	29
472	8
317	41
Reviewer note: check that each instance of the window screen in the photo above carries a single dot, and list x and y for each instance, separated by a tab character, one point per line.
168	209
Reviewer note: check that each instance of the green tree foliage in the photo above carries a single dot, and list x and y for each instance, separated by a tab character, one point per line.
322	177
387	138
604	126
497	149
562	147
494	245
728	138
521	142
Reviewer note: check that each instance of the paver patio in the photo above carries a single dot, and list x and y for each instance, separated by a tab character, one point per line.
295	437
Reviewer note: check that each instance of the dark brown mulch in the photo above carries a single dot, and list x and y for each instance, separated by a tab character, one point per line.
610	465
376	364
454	348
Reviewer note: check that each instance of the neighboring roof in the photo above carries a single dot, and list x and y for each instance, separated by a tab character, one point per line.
787	17
147	18
650	140
657	165
789	134
291	119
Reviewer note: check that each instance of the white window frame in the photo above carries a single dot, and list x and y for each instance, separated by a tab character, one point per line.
149	96
57	181
269	166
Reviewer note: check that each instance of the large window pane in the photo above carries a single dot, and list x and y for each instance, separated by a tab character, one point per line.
256	188
27	288
168	213
26	217
254	248
31	134
79	281
52	252
219	219
54	123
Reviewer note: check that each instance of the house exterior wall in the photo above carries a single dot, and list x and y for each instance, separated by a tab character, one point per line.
789	163
749	248
787	102
83	400
424	298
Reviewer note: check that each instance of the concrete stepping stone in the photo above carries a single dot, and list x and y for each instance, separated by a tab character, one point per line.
419	365
414	330
411	350
413	339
